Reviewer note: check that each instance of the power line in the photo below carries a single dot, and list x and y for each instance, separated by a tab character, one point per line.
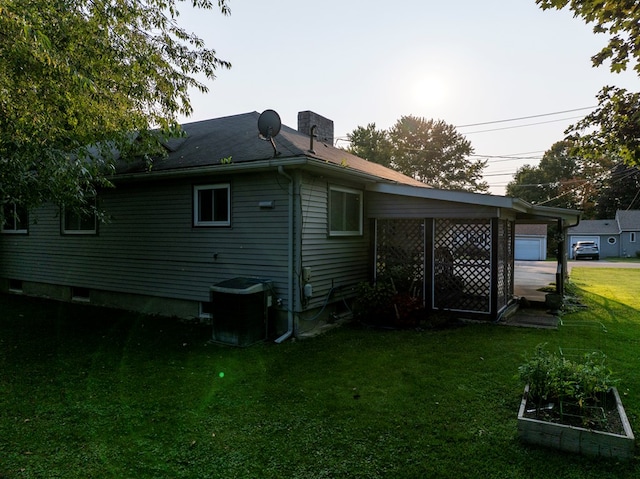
526	117
581	182
346	139
511	159
512	155
521	126
499	174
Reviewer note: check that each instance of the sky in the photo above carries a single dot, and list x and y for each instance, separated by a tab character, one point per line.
357	62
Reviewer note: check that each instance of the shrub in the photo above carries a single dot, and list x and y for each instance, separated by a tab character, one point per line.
373	303
384	304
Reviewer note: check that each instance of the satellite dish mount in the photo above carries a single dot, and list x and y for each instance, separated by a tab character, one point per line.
269	125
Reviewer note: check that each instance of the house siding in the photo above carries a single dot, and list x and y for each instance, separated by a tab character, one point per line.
149	246
381	205
607	249
335	262
628	248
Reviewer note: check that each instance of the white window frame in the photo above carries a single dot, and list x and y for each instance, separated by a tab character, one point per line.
196	205
632	237
346	191
13	221
78	230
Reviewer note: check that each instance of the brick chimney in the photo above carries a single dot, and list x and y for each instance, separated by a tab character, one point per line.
324	126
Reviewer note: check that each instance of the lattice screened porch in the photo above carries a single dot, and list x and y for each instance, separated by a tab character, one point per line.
400	254
462	265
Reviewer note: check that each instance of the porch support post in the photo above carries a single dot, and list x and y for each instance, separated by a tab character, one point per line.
428	263
493	291
561	270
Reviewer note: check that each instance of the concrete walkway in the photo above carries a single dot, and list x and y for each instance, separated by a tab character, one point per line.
530	276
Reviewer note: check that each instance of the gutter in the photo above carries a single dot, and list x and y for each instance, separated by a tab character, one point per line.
254	166
290	291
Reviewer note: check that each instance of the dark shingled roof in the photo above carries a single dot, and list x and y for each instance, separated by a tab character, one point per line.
236	138
595	227
629	220
531	229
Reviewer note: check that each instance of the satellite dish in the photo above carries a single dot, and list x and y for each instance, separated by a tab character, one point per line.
269	124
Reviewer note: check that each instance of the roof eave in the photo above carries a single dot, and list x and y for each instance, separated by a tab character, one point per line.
445	195
570	216
254	166
524	210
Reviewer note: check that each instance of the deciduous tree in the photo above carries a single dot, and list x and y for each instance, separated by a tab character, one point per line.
613	129
371	144
620	191
78	78
428	150
561	179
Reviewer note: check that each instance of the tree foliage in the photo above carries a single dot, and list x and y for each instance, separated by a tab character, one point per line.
620	191
618	18
78	77
613	129
561	180
371	143
428	150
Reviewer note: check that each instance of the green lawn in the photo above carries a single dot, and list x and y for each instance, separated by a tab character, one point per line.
87	392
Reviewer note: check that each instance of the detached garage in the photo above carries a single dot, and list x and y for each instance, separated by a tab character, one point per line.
531	242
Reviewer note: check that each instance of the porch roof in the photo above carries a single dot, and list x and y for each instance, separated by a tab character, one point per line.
524	211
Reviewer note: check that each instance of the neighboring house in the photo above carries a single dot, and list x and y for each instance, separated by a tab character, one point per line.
619	237
531	242
629	222
311	219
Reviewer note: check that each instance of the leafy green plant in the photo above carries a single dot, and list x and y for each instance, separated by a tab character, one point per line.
393	300
373	303
553	378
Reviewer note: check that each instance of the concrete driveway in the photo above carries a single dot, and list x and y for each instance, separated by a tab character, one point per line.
529	276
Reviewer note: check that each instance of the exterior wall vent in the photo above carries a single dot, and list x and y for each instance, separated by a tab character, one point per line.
80	294
15	285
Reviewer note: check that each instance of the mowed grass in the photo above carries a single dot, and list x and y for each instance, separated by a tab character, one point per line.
88	392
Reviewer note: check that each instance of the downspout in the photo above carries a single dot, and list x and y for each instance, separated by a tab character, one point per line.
290	292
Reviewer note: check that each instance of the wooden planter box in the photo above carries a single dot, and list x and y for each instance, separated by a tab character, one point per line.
577	439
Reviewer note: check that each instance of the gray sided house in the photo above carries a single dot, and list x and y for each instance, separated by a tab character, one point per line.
618	237
307	219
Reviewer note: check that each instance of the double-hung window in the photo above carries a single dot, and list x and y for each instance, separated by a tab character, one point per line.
15	219
632	237
212	205
345	211
78	222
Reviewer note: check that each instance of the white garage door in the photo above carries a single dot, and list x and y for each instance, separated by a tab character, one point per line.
529	249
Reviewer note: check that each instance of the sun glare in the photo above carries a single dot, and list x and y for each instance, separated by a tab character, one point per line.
429	90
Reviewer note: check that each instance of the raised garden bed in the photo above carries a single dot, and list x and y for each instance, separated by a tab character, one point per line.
537	425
